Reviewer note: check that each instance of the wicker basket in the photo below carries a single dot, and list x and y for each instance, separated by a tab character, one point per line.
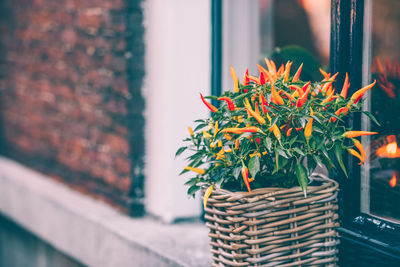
275	226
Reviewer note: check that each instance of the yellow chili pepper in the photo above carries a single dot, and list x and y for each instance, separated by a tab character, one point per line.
198	170
216	129
355	154
228	136
190	130
206	135
237	144
207	195
235	80
308	128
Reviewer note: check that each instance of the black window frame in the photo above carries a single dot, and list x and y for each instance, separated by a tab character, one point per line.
346	55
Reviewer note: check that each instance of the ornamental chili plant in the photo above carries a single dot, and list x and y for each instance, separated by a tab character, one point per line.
272	129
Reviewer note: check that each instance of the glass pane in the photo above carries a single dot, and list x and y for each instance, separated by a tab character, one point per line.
280	30
382	176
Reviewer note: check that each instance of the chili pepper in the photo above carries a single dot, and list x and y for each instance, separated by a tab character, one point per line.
209	105
360	93
220	154
277	132
190	131
289	132
287	71
269	77
254	79
229	101
245	174
298	129
356	154
280	71
235	80
346	86
260	119
246	80
308	128
271	67
361	149
207	195
301	100
237	144
258	140
262	78
206	135
379	65
255	153
326	75
328	84
256	109
275	97
216	129
249	129
263	102
219	143
387	90
328	98
229	150
228	136
338	112
198	170
291	98
351	134
298	72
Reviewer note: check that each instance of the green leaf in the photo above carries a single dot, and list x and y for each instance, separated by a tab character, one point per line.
311	163
236	172
302	177
201	125
192	181
180	150
254	166
338	153
282	153
192	190
298	151
268	143
372	118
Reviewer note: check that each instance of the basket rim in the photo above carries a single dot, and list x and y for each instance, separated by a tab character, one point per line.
281	190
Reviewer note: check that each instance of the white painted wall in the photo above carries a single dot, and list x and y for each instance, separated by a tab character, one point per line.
178	66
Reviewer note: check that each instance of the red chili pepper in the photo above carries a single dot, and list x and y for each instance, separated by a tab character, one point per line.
245	174
262	78
209	105
301	100
229	101
263	102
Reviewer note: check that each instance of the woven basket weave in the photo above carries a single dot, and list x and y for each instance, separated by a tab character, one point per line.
275	226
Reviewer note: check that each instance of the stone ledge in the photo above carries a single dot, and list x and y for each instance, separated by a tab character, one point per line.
91	232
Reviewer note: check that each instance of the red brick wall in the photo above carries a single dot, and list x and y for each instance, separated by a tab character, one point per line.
71	102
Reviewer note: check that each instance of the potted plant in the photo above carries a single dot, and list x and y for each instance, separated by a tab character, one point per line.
254	158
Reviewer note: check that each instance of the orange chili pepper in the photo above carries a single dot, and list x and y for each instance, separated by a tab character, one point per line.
249	129
329	98
276	131
254	79
229	101
289	132
290	97
346	86
245	174
246	80
209	105
360	93
260	119
326	75
275	97
361	149
280	70
351	134
297	75
287	71
356	154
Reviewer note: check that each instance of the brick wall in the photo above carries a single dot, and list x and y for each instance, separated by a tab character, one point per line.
71	104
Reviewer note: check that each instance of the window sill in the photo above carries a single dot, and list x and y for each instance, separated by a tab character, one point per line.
90	231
